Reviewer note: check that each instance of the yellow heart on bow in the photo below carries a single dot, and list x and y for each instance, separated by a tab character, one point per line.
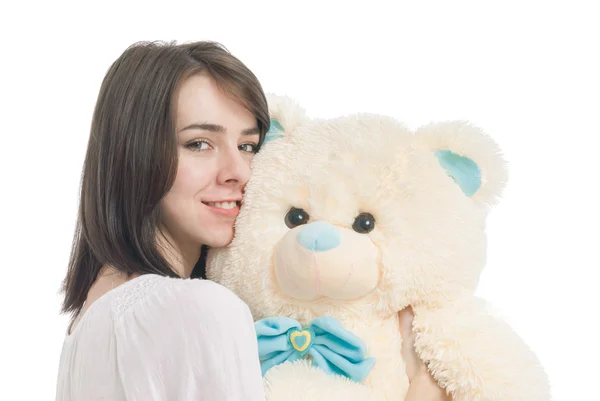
301	340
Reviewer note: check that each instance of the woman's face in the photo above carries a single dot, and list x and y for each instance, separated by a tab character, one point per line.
216	140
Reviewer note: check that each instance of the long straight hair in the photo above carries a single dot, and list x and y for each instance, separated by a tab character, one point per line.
131	159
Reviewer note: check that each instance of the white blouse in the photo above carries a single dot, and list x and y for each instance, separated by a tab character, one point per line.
157	338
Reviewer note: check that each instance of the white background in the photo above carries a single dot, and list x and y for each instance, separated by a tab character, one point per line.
525	71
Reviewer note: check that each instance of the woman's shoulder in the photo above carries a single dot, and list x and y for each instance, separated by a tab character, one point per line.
158	304
162	296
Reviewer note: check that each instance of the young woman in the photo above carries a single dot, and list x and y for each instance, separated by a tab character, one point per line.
174	131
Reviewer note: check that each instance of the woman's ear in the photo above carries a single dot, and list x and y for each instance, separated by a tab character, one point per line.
286	115
468	156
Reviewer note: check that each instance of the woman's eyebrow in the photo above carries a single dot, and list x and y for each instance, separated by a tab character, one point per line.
205	127
219	128
251	131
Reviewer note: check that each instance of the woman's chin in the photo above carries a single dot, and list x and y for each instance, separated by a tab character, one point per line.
219	238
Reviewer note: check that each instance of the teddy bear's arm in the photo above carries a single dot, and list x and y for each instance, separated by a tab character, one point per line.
477	356
299	381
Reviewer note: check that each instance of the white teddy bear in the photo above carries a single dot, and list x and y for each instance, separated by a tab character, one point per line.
347	221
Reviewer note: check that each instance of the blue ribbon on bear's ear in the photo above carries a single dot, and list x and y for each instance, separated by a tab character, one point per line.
275	131
464	171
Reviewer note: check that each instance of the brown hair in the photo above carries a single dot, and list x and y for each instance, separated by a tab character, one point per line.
131	159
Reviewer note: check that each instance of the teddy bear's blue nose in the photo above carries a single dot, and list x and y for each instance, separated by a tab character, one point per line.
319	236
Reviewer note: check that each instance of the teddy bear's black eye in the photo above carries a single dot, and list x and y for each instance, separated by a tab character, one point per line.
296	217
364	223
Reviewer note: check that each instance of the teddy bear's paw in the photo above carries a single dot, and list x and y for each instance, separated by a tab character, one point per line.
476	355
299	381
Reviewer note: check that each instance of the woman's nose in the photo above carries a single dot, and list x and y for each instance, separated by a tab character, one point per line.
235	168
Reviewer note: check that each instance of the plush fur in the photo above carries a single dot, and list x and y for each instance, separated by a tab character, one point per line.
427	250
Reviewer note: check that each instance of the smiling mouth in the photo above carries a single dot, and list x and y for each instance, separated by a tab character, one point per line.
224	205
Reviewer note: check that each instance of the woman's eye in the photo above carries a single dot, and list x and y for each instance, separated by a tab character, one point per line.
248	147
198	145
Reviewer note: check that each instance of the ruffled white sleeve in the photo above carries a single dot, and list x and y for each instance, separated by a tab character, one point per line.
190	340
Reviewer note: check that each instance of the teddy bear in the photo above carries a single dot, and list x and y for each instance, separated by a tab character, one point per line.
345	222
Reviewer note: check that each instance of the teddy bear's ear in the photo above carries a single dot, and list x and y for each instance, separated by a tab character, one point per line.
469	156
286	115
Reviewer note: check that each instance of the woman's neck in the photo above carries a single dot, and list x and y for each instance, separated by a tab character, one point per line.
182	257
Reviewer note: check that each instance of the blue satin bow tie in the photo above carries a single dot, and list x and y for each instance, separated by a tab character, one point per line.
332	348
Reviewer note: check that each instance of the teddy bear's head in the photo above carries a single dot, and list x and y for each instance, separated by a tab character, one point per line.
360	213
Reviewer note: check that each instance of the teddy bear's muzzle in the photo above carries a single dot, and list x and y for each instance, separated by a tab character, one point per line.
321	260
